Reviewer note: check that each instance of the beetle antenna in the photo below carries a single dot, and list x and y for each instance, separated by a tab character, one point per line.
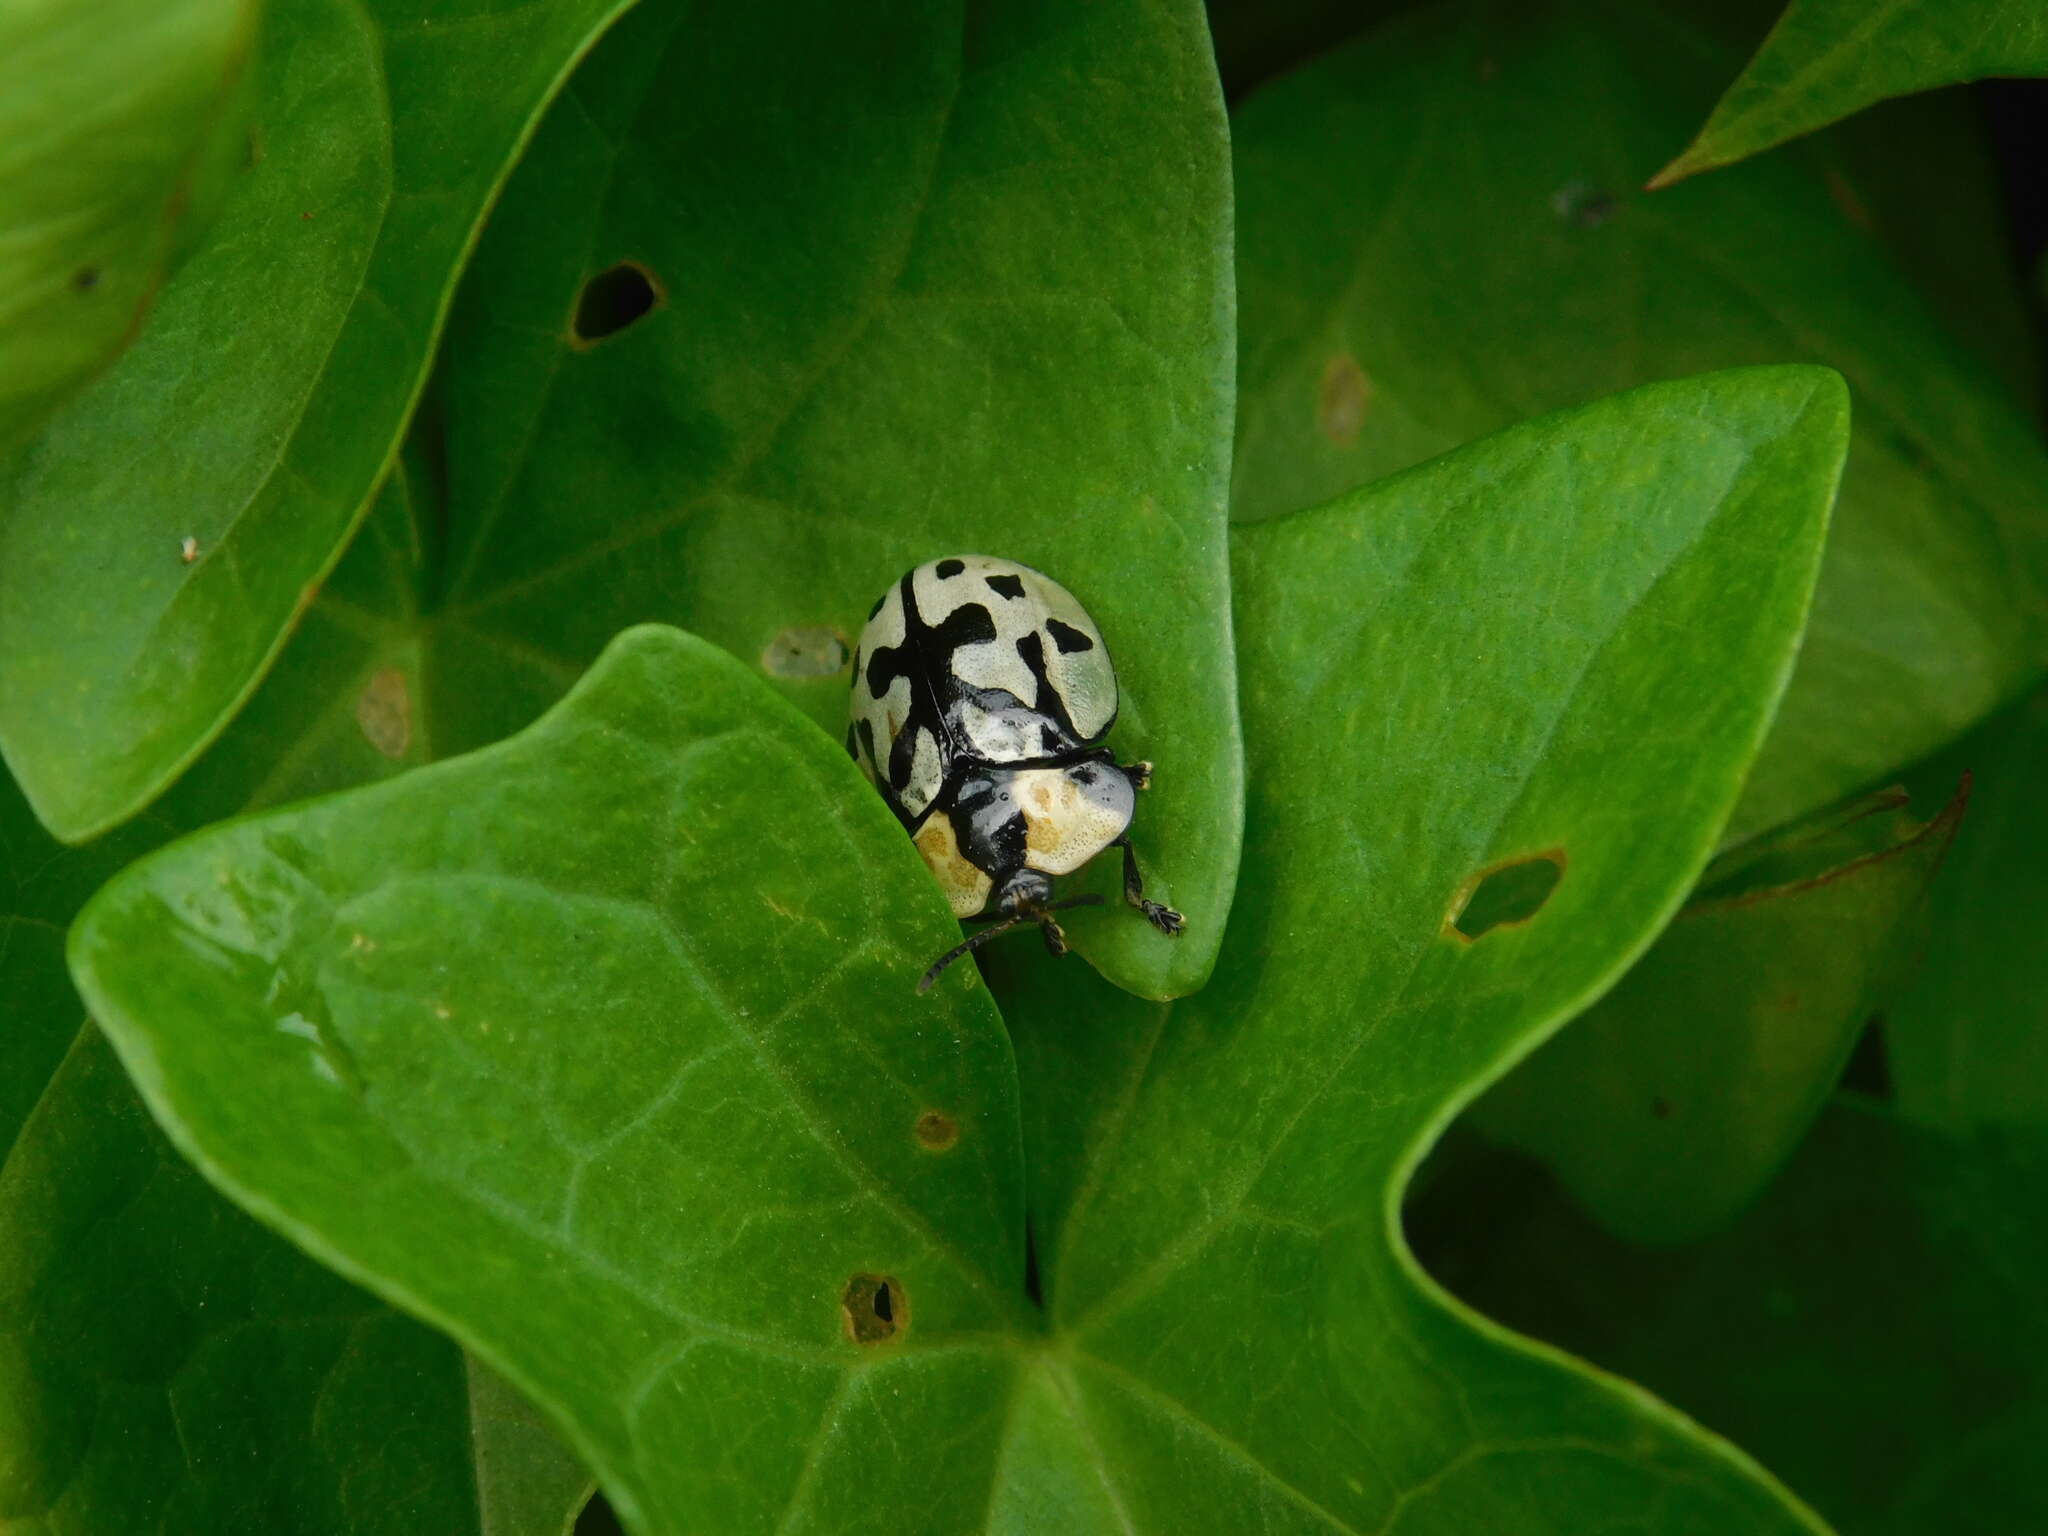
1001	925
967	947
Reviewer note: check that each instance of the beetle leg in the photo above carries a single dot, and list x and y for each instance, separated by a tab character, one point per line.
1055	936
1140	774
1161	916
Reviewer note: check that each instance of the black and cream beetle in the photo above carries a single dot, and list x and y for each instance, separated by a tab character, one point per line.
981	694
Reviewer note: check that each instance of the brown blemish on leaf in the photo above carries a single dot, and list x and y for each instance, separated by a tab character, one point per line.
874	1308
805	650
384	711
1583	205
1845	198
1940	827
1516	890
1342	399
937	1131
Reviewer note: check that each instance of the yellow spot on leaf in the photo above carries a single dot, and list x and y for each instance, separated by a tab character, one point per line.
384	711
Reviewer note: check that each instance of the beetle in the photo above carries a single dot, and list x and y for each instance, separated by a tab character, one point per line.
982	692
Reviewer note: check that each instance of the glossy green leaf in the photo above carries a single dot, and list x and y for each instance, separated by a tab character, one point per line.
1826	59
625	1006
944	324
527	1480
165	1363
1672	1102
1968	1041
1873	1330
255	415
115	122
1434	685
612	1006
622	1008
1438	236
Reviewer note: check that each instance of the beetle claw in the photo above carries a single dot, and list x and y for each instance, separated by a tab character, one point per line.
1163	917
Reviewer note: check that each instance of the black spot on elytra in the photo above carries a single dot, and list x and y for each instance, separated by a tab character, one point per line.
1031	650
878	605
969	624
852	744
948	569
1069	639
867	737
903	753
1011	587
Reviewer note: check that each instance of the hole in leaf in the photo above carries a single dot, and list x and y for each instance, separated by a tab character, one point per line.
937	1131
1505	896
874	1308
1342	399
808	650
613	300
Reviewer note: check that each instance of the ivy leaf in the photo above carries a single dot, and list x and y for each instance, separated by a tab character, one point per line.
1437	237
166	1363
1673	1101
1873	1329
1968	1041
271	387
116	128
624	1005
1434	690
1826	59
598	1003
721	366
